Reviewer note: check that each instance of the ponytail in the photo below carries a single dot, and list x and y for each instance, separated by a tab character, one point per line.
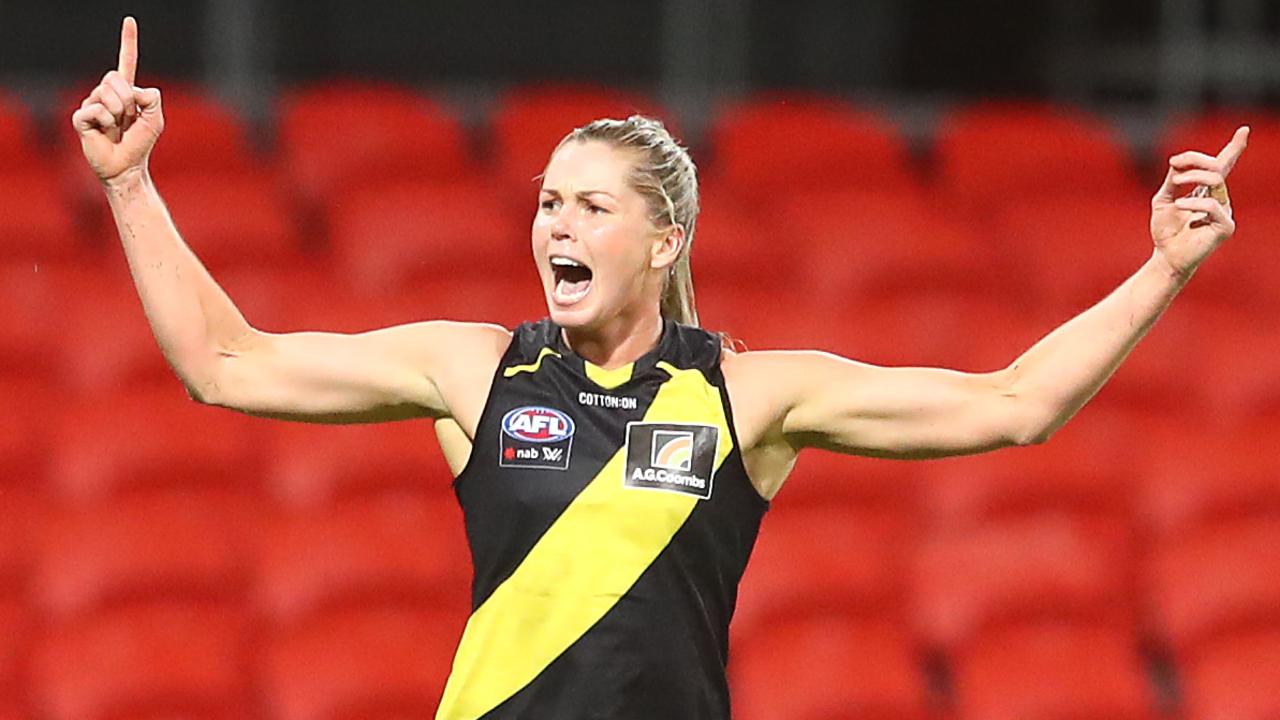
677	295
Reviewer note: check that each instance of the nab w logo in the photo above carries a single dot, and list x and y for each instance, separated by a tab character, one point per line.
536	437
672	450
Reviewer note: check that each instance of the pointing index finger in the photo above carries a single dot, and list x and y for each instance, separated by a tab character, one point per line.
128	65
1233	149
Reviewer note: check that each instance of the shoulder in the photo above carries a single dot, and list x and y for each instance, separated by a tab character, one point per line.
448	339
776	369
759	385
765	385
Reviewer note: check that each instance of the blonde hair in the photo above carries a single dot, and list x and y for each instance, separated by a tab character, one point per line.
666	177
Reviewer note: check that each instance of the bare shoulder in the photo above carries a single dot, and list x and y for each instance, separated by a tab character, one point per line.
764	384
759	390
461	358
471	339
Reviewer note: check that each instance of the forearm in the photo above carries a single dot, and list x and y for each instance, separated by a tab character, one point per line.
1061	372
190	315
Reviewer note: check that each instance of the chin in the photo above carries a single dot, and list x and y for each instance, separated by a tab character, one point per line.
582	314
575	317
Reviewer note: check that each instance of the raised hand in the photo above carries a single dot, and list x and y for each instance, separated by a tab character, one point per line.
1187	229
119	123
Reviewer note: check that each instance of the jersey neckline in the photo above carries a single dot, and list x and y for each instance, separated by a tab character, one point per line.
612	379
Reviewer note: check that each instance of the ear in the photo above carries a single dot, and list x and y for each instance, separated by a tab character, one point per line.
666	248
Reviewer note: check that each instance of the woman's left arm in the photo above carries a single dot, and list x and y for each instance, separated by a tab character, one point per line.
821	400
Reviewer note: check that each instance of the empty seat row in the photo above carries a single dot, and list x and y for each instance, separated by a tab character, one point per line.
949	586
207	661
984	153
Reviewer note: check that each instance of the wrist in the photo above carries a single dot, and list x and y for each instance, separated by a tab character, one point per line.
1167	269
130	182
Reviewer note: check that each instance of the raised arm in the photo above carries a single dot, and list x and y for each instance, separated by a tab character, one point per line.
800	399
406	371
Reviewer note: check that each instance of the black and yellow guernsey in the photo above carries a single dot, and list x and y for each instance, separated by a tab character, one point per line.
610	520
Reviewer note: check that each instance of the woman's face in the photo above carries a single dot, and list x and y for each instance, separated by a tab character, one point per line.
592	237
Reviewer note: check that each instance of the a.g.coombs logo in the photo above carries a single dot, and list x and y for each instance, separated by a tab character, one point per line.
537	424
536	437
675	457
672	450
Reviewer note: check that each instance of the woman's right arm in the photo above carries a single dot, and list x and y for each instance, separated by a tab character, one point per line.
421	369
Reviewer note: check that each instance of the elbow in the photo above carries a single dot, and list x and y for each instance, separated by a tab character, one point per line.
1034	426
203	387
1034	435
1032	423
201	393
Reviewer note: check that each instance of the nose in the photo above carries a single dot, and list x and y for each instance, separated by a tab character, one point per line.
560	230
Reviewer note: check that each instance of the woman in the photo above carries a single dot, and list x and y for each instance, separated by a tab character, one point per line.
613	462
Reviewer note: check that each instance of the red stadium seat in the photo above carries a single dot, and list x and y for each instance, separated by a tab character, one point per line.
1253	179
111	445
24	442
1232	348
393	236
825	560
989	155
1218	581
275	298
1075	250
528	122
339	133
776	145
188	546
827	668
1227	476
313	466
752	315
856	244
1034	569
1235	678
202	136
18	139
375	665
964	330
15	638
144	662
1235	276
1087	469
106	342
381	552
1166	372
23	512
36	222
829	479
733	247
505	300
239	219
1063	672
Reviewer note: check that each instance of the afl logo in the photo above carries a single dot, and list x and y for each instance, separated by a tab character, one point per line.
537	424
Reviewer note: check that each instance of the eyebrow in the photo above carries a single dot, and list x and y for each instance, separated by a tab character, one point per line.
581	194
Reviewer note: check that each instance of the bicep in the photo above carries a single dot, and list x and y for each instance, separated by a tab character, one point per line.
387	374
901	412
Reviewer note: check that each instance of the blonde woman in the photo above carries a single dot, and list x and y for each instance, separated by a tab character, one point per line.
613	460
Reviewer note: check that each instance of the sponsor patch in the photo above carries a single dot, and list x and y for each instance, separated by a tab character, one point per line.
674	457
536	437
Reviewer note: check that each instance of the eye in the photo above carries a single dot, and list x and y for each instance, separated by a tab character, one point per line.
549	204
595	209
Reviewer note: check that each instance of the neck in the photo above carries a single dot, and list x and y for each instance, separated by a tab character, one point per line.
620	342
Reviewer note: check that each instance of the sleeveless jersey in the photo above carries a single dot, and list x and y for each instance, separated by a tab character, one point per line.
610	519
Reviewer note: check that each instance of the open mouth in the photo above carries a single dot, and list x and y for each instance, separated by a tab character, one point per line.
572	280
